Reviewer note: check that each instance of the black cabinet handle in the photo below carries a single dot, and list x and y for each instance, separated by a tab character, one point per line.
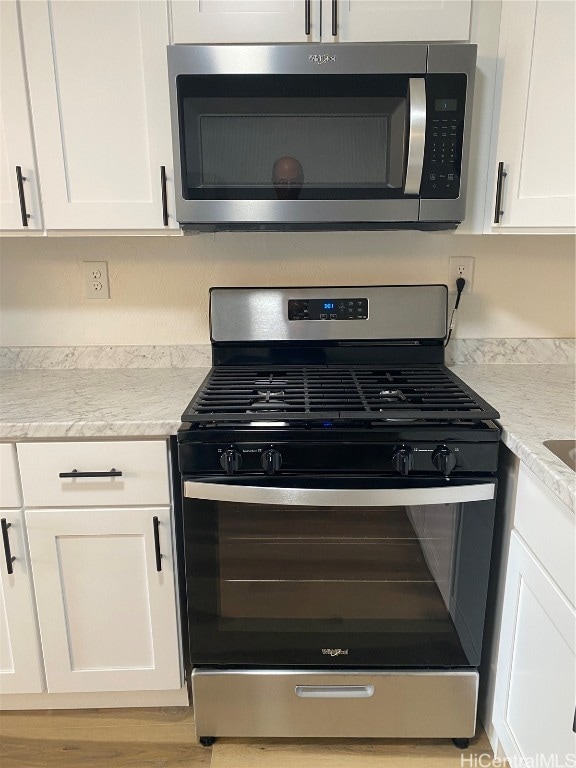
6	540
574	722
156	524
20	180
164	195
307	4
113	473
334	18
498	212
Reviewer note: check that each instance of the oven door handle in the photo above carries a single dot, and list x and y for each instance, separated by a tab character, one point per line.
337	497
417	135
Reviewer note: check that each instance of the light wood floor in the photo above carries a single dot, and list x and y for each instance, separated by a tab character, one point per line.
164	738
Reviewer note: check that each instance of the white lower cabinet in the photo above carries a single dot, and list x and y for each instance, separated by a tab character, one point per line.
106	599
20	656
535	686
536	683
20	659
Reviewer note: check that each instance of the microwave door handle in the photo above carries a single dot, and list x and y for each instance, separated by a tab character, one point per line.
416	136
337	497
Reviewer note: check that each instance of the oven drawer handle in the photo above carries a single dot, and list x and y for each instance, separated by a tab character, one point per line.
334	691
417	135
337	497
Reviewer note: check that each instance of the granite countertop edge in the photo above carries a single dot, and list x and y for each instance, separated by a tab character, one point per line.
144	410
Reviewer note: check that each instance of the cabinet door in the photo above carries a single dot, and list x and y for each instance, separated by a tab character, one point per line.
107	615
356	21
535	684
245	21
99	97
537	119
16	143
20	660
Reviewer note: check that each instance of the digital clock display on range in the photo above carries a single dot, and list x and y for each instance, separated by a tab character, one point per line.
328	309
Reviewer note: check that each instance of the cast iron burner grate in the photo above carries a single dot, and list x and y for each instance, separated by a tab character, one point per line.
423	392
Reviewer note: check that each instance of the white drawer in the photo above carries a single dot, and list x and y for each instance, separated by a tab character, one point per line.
143	465
547	526
9	482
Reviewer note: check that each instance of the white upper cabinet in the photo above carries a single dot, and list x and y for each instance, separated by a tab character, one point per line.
99	98
361	21
16	143
245	21
300	21
537	66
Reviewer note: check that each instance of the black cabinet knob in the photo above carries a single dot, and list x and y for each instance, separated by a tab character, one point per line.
444	459
402	459
271	461
231	461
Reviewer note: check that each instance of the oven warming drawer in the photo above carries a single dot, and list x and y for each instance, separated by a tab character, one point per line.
367	704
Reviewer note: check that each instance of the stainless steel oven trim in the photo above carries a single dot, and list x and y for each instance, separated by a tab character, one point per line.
394	312
330	497
404	703
417	135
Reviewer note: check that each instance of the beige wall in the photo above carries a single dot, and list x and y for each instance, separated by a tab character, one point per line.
524	285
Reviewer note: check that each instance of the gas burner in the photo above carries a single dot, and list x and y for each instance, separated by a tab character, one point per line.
391	395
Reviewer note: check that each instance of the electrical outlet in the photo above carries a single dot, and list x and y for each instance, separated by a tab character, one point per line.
461	266
96	284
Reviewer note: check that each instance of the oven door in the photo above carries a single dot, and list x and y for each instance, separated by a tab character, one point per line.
347	571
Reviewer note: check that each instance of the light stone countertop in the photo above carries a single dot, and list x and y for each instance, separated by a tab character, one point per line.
78	402
536	403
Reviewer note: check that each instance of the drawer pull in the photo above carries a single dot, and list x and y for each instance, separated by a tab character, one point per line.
156	524
7	553
113	473
334	691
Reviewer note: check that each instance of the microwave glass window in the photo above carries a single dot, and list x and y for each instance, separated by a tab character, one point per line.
294	137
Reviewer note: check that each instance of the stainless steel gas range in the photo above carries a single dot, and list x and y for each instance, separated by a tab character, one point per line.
338	506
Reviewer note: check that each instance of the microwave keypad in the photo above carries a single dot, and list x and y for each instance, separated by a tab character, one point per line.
445	100
441	174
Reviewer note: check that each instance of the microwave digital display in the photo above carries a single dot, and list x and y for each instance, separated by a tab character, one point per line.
445	105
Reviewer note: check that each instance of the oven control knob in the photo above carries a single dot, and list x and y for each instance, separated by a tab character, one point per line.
444	459
271	461
402	459
231	461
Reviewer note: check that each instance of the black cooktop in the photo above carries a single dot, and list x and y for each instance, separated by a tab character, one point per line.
316	393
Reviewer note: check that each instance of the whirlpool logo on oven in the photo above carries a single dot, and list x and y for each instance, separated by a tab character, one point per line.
321	58
335	651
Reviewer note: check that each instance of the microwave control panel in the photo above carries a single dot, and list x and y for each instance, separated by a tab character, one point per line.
328	309
445	106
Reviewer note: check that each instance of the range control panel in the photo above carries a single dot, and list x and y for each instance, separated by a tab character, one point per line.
328	309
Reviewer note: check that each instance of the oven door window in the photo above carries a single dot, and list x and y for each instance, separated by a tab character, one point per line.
393	585
293	137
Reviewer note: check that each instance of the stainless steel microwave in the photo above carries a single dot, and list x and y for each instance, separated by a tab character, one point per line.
321	137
